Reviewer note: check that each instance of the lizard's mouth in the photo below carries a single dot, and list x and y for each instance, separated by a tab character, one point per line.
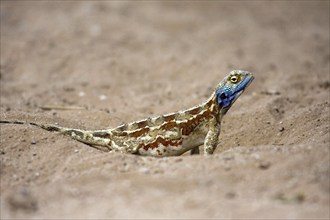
246	82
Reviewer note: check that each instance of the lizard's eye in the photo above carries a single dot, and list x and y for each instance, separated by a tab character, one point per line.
234	79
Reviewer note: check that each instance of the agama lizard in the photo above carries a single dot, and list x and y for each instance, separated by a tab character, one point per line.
167	135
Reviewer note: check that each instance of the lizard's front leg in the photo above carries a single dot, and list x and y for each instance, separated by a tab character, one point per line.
212	137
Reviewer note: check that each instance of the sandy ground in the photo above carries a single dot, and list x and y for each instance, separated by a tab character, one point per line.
124	61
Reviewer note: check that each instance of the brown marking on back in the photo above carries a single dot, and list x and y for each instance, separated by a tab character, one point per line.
164	142
142	124
209	103
186	129
168	118
190	125
139	133
195	110
168	125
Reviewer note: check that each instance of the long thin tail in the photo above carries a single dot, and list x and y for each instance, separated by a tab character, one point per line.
87	137
52	128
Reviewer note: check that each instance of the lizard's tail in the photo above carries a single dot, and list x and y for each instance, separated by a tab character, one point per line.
87	137
52	128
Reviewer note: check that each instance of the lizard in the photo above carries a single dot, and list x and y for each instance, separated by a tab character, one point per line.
167	135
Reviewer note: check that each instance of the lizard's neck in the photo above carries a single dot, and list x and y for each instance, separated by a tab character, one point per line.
191	118
211	105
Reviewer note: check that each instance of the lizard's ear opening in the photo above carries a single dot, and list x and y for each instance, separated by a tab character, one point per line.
223	98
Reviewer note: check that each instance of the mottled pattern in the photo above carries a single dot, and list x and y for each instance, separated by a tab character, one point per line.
171	134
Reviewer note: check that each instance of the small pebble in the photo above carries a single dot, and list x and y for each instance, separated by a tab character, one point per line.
264	165
281	129
230	195
103	97
256	156
81	94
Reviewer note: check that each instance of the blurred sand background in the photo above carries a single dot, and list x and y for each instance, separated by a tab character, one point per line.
123	61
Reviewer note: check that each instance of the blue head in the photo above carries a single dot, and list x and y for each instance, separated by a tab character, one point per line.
231	87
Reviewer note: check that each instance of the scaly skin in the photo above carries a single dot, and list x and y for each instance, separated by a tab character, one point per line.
167	135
